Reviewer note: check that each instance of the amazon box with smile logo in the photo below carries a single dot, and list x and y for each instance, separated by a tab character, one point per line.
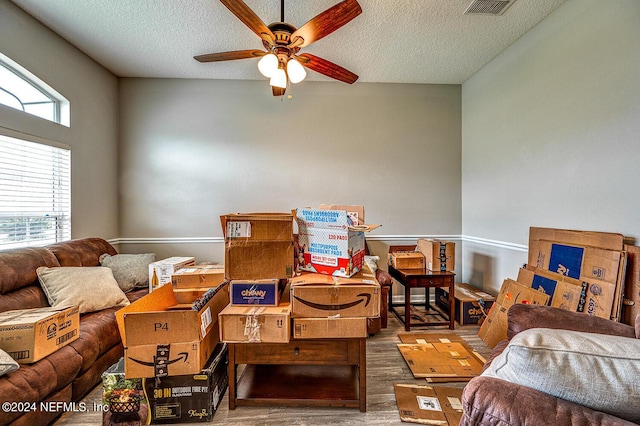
323	296
165	336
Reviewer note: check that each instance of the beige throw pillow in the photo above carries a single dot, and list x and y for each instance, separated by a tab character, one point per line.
130	270
598	371
93	288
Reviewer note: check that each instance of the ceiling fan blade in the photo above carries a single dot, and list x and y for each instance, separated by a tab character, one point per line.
327	22
249	18
229	56
327	68
278	91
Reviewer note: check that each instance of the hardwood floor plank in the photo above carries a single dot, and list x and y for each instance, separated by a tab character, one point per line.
385	366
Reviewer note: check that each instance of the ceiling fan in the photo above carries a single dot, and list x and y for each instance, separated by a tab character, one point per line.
283	41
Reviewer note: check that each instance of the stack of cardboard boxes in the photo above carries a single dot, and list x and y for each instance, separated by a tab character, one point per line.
171	348
331	298
580	271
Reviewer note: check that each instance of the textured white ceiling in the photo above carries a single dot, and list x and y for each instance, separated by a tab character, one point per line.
394	41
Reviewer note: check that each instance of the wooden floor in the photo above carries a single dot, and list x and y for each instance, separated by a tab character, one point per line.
385	366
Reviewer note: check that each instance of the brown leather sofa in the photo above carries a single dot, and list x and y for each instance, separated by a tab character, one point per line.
491	401
71	372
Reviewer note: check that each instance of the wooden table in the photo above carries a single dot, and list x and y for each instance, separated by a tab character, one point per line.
320	372
422	278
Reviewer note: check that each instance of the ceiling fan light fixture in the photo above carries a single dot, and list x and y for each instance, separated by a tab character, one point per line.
279	79
295	71
268	65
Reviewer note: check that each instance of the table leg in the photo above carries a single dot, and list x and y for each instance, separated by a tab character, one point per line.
362	380
407	307
232	370
452	302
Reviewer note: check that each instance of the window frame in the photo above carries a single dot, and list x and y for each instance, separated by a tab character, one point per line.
61	106
62	221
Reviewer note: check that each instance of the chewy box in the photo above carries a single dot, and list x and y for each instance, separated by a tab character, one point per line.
260	324
162	337
256	292
471	304
29	335
189	398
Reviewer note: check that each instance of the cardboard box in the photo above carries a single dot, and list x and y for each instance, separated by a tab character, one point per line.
407	260
494	327
205	276
191	397
329	242
257	324
471	304
439	255
264	292
583	255
329	328
258	245
592	297
160	272
429	405
163	338
603	240
576	261
29	335
123	398
631	306
322	296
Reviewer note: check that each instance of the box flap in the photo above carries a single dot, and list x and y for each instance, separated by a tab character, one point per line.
338	220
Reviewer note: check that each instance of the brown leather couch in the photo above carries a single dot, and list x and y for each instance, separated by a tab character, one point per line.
491	401
71	372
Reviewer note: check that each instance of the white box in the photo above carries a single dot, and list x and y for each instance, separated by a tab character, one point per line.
160	272
329	242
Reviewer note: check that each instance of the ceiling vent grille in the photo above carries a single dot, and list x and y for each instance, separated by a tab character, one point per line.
488	7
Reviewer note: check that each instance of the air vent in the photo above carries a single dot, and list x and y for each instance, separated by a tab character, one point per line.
488	7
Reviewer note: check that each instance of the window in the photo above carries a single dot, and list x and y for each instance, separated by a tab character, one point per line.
22	90
35	193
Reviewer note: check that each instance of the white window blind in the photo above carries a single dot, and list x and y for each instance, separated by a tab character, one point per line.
35	193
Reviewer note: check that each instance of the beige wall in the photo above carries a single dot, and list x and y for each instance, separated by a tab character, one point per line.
192	150
550	136
93	135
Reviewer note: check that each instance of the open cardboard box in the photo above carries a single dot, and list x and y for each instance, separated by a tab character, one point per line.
153	330
331	240
258	245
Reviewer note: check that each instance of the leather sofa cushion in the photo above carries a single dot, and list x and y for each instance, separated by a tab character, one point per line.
81	252
19	267
598	371
35	382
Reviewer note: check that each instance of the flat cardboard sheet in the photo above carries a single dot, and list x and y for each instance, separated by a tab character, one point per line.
631	307
444	357
427	405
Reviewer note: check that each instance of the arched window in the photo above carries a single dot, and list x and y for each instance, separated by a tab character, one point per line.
22	90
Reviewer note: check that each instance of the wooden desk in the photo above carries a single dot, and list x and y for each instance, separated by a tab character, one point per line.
322	372
422	278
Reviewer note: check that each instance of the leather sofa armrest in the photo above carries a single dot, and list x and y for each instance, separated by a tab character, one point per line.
383	278
491	401
522	317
